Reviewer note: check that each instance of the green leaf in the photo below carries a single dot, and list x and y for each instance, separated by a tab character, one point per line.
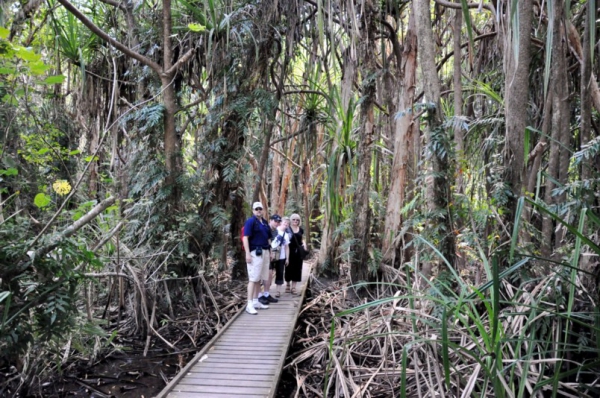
3	295
91	158
468	22
4	32
28	55
515	234
195	27
527	139
9	99
74	152
38	68
42	200
112	208
9	172
7	71
43	151
571	229
54	79
9	162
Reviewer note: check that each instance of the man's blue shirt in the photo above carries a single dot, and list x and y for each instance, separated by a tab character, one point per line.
258	233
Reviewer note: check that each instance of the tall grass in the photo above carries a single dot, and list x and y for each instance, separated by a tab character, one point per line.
509	337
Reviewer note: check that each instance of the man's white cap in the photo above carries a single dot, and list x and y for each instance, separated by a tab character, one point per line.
257	204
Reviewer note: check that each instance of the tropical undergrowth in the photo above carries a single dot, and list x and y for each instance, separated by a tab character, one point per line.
529	329
91	251
500	322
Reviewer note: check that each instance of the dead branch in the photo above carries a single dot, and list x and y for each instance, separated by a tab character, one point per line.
99	208
104	36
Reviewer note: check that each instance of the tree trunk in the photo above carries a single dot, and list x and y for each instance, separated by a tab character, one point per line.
436	136
535	158
290	43
516	98
361	221
172	140
287	177
402	174
461	259
538	153
458	102
166	72
586	107
276	173
563	108
560	113
305	184
576	46
327	251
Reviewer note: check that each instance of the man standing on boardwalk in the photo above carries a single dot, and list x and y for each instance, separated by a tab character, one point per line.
256	240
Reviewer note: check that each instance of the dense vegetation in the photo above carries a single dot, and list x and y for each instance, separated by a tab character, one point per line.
444	157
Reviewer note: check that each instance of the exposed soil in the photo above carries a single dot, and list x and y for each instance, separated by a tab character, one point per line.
124	374
121	376
127	373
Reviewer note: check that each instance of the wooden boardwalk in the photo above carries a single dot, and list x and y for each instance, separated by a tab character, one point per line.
246	357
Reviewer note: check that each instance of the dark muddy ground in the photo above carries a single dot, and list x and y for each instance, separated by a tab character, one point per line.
123	375
129	376
127	373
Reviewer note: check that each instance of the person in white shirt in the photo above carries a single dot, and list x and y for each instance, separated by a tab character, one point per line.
280	244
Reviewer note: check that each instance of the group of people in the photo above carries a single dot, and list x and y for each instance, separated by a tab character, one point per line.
271	247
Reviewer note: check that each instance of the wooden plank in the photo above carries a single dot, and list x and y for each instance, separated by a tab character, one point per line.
254	348
242	354
222	390
245	365
239	359
230	354
241	336
250	343
258	330
245	359
229	360
197	357
247	333
296	311
201	395
265	324
254	371
243	331
255	339
229	349
224	383
230	377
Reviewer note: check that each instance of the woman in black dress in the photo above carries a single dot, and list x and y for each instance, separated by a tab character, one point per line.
293	272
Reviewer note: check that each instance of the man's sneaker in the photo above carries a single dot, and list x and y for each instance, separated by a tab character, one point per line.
272	299
250	309
261	306
263	300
